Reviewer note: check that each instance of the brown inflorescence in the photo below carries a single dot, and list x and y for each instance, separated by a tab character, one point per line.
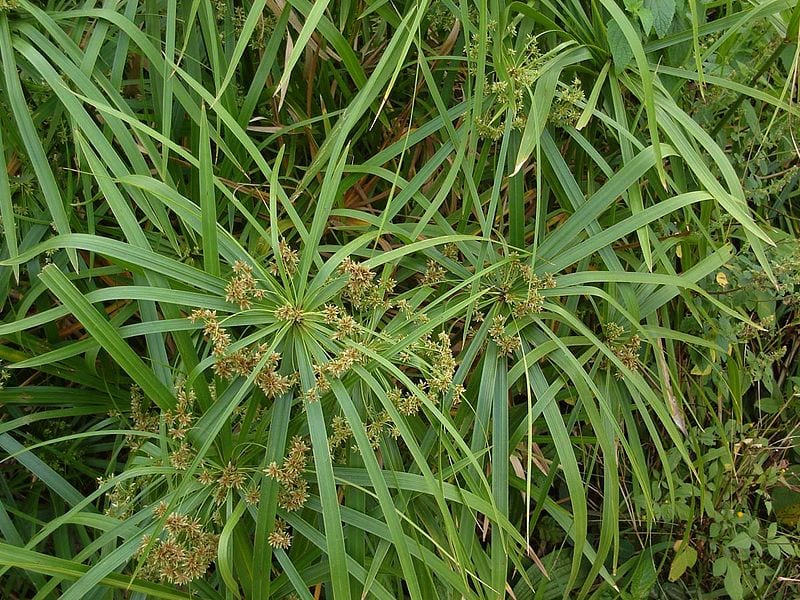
294	487
183	554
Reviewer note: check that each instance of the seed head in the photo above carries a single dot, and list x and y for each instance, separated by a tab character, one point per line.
280	536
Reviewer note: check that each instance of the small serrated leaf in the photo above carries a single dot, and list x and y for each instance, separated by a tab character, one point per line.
620	49
741	541
684	559
733	581
663	12
772	530
644	578
720	566
646	18
774	550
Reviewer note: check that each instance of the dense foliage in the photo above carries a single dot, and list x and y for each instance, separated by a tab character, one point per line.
414	299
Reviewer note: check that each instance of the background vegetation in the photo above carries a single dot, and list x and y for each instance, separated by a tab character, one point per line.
407	299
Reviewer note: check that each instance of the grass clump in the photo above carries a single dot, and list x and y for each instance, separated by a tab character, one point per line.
399	300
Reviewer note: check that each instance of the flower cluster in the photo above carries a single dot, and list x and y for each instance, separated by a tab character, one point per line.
230	477
183	554
450	251
289	257
509	93
341	433
212	330
487	130
179	419
294	487
626	351
434	273
407	310
143	419
272	383
506	344
440	20
408	404
243	361
181	458
263	29
614	331
377	425
786	269
566	110
439	356
346	326
120	499
533	301
520	288
361	289
747	332
253	495
242	288
336	367
761	363
289	313
280	537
